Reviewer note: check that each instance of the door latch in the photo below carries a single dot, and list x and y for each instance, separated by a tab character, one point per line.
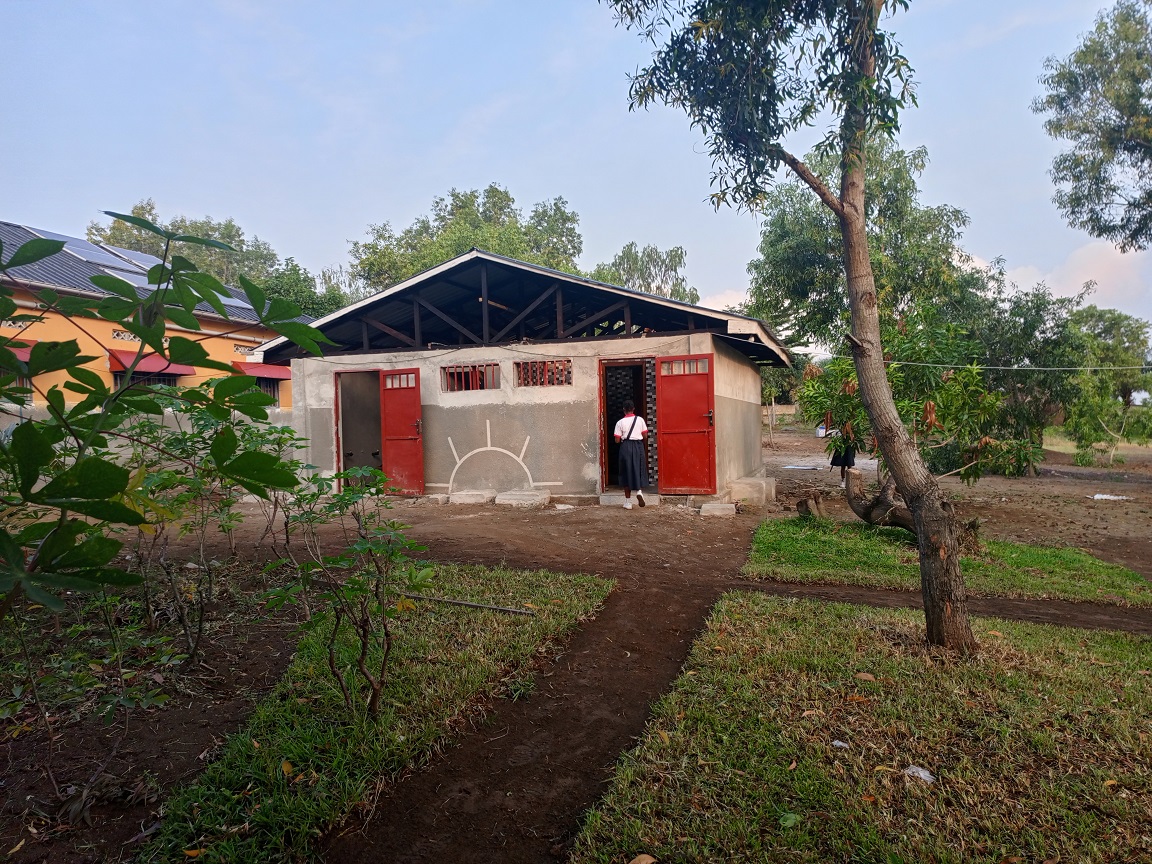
711	418
419	424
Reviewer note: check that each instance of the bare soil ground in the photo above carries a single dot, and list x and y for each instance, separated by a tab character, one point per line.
514	787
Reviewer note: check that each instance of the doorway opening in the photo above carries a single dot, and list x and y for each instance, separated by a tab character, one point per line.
621	380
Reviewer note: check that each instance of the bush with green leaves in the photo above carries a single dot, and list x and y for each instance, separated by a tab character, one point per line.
67	495
356	592
955	419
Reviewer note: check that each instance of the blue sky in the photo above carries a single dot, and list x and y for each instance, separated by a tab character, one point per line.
307	122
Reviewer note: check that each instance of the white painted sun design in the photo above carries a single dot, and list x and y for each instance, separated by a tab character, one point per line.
488	448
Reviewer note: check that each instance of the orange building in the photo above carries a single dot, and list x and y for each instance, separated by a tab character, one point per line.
233	340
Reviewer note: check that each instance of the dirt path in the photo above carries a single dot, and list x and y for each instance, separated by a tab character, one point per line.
513	789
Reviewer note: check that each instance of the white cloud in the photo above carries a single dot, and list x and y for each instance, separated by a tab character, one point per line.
1123	280
723	299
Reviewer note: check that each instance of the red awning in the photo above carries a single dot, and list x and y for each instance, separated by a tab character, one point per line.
118	361
23	353
264	370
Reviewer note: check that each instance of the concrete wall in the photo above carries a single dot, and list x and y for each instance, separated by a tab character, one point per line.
508	438
512	437
738	416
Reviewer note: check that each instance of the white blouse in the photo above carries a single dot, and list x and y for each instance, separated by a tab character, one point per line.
625	423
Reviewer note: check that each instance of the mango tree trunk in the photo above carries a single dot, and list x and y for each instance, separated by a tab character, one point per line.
942	584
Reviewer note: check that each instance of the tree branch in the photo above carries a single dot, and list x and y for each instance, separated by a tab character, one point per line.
815	183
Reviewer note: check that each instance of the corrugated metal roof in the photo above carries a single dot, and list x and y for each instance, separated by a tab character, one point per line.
69	271
454	289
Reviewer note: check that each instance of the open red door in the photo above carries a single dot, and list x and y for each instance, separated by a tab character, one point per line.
685	422
402	430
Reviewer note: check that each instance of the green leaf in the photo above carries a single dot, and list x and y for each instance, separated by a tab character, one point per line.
264	469
254	293
224	445
233	385
38	595
204	241
281	310
33	251
107	511
183	318
90	478
151	335
182	350
208	288
180	263
158	274
31	450
115	285
96	551
10	362
54	356
117	308
141	222
303	335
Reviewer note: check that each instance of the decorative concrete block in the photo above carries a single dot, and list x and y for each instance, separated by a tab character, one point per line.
473	496
715	508
617	499
524	498
753	490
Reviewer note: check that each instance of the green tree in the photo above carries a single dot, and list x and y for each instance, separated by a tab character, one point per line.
487	220
748	73
253	258
292	282
649	270
1099	100
798	282
1105	412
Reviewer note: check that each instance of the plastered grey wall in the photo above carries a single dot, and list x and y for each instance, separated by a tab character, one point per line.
505	438
738	416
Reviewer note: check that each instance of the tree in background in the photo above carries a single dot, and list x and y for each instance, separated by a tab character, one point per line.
254	259
1027	346
487	220
1099	100
1104	412
748	73
292	282
649	270
798	282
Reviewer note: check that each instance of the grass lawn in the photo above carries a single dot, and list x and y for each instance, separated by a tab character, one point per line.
302	765
821	550
788	736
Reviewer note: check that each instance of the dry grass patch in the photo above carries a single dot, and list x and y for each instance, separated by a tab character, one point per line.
790	732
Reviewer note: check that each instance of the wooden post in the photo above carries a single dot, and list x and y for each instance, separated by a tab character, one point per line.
559	313
484	300
416	322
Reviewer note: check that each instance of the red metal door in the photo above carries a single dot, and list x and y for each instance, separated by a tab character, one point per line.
685	422
402	432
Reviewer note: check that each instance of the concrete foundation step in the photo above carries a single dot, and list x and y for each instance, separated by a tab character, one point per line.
524	498
617	499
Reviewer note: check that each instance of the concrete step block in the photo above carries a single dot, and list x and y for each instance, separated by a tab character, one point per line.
473	496
753	490
524	498
617	499
715	508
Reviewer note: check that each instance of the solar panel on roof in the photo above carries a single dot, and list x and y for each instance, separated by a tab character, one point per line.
86	251
140	280
142	258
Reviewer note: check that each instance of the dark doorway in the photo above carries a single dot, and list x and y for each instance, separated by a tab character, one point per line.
620	380
359	397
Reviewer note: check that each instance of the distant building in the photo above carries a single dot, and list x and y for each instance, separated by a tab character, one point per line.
231	340
491	374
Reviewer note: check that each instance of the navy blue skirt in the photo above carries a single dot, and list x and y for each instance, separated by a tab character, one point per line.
633	465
